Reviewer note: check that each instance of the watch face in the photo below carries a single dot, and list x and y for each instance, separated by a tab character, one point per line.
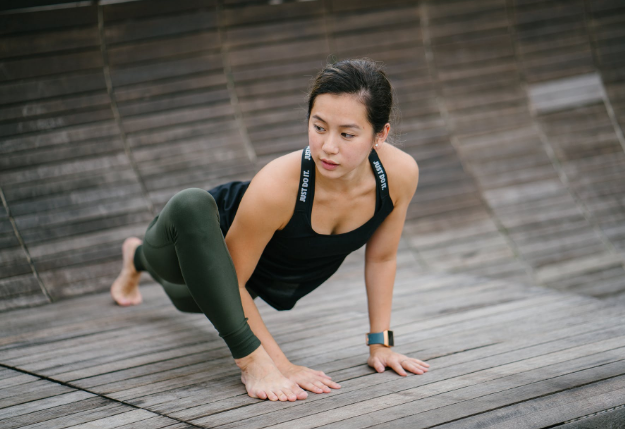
391	342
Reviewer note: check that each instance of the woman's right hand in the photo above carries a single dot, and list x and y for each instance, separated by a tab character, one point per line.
309	379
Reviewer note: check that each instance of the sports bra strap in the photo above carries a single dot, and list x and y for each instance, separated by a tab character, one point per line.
380	173
306	181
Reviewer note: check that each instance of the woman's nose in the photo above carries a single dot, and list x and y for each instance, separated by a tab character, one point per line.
329	145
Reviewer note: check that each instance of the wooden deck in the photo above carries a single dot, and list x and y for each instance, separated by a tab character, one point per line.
502	355
514	110
512	276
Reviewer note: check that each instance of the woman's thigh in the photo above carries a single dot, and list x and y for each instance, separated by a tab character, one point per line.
159	246
159	243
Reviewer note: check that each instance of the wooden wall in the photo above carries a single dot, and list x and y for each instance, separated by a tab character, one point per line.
514	110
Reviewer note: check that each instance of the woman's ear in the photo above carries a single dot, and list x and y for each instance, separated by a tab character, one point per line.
382	135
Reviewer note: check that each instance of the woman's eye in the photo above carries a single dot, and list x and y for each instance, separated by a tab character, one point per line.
349	136
318	128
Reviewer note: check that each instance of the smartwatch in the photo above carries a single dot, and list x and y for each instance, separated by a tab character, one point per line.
384	337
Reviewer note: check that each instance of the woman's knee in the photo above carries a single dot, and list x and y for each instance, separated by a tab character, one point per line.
193	203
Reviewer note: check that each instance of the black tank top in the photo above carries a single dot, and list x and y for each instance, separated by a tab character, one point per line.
297	259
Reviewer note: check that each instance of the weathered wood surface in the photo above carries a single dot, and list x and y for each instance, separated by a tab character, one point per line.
502	354
514	110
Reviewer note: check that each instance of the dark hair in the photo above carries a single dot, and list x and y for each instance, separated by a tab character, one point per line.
363	78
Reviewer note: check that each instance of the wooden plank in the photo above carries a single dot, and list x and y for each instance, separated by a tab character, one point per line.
140	73
90	80
63	416
57	63
199	97
130	417
88	211
451	349
122	11
369	20
553	408
60	137
21	393
180	378
218	111
210	131
273	71
80	320
355	5
48	19
12	377
151	50
335	369
305	27
147	90
54	106
267	13
75	38
51	123
358	390
19	284
85	165
21	301
293	50
128	31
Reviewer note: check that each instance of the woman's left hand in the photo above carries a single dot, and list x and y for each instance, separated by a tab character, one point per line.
380	357
309	379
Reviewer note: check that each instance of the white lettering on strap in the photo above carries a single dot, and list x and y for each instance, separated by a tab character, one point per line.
381	174
303	192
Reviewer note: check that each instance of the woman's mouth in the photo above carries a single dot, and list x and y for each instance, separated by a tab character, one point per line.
328	165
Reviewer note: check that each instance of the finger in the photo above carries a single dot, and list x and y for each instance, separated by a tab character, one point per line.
324	374
398	368
412	367
420	362
378	366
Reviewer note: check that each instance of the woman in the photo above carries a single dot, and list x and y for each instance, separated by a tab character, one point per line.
280	246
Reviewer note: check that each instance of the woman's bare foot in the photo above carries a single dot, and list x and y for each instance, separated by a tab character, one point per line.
125	289
263	380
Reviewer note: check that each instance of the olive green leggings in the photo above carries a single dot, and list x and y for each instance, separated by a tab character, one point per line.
184	250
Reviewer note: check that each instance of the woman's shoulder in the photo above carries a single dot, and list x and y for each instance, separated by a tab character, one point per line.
276	184
283	172
402	171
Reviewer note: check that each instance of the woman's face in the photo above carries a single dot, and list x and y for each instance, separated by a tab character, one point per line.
339	134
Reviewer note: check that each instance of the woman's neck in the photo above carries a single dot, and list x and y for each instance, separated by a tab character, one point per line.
345	184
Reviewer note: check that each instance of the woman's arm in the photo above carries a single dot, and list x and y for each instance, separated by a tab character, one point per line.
381	265
266	206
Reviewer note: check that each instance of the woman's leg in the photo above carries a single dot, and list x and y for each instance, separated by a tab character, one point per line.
185	251
179	294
